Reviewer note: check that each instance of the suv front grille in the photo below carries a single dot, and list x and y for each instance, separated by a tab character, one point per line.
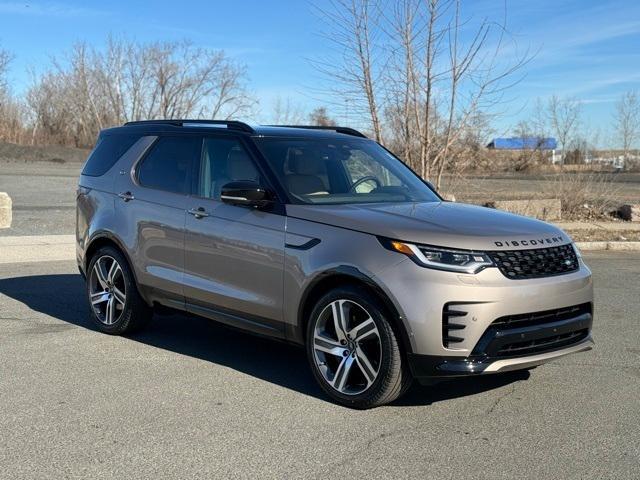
537	262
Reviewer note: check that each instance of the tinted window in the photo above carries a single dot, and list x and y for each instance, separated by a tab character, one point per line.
168	165
107	152
342	171
224	160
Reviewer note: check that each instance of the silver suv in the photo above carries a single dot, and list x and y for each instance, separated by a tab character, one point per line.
323	238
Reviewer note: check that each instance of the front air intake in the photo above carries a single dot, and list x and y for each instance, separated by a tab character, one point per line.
535	332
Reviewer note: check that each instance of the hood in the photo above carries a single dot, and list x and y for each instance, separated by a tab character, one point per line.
445	224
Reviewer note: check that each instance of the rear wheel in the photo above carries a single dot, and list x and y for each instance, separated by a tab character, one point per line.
116	306
354	353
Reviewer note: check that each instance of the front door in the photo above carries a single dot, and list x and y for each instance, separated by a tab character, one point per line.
234	256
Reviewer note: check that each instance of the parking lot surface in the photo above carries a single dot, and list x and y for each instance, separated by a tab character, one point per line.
43	195
190	399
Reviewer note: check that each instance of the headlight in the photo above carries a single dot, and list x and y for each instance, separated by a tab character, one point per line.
462	261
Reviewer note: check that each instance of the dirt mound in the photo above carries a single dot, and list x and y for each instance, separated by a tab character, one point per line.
10	152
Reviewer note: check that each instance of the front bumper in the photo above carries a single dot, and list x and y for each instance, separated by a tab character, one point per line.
427	367
423	296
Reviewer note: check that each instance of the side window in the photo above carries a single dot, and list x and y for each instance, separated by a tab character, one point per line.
167	167
224	160
107	152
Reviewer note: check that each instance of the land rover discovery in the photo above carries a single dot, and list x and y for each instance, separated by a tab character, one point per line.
322	237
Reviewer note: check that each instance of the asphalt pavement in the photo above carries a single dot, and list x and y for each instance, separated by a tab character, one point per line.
43	195
188	398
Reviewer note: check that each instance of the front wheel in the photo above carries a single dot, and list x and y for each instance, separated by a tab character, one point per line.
354	352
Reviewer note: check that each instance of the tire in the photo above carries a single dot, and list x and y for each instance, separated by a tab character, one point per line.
113	310
376	372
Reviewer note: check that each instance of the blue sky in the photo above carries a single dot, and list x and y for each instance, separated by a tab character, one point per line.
586	48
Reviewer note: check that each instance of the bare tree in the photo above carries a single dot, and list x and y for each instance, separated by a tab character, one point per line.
564	118
534	143
320	117
355	26
5	60
539	119
49	111
11	109
627	120
285	112
431	72
90	89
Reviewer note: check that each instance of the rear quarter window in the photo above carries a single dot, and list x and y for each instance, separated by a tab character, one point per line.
107	152
168	165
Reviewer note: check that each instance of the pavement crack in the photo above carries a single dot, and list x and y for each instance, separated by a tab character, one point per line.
497	401
363	448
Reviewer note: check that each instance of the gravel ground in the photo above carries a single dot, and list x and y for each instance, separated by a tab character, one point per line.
190	399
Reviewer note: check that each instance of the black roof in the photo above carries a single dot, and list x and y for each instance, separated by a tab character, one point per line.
232	126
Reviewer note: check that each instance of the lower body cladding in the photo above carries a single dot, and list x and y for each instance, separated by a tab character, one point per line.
461	324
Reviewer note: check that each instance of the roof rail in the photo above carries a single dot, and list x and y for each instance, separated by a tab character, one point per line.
230	124
345	130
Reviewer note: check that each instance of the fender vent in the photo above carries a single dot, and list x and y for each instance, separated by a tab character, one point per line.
451	330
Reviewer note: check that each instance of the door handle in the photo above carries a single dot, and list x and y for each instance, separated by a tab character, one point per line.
126	196
198	212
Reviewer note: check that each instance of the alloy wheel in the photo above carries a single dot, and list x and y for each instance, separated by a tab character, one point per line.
107	290
347	347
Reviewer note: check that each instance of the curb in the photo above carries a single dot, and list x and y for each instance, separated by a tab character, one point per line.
613	246
5	210
604	226
37	248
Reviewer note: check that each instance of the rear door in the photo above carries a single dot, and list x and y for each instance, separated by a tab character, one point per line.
234	256
151	211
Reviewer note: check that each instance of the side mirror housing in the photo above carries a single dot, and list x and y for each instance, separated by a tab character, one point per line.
246	193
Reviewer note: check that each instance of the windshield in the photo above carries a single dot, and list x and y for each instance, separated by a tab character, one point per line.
341	171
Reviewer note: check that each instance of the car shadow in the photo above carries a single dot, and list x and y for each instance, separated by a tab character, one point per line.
61	296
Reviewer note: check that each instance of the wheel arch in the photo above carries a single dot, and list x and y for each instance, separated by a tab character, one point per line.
346	275
104	239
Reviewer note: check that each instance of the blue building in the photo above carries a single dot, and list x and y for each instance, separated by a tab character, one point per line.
523	143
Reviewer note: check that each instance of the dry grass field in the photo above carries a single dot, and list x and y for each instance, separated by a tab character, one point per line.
623	187
584	196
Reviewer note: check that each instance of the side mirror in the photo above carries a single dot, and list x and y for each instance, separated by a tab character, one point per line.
246	193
